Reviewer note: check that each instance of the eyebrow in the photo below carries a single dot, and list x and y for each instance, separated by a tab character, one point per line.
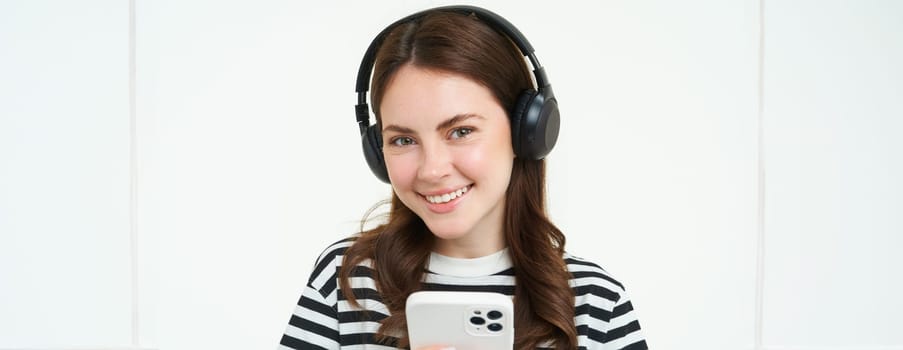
443	125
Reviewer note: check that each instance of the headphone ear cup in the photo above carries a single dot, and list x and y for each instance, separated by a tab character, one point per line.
535	124
372	143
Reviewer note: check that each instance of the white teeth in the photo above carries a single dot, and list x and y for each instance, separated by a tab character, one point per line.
446	197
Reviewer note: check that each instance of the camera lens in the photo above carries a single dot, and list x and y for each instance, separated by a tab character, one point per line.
495	327
477	320
494	315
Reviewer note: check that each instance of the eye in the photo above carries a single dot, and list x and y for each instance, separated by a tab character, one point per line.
402	141
461	132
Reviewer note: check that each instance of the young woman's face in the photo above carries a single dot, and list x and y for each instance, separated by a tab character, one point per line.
447	146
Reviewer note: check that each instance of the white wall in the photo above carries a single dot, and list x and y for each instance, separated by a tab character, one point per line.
65	271
834	198
688	143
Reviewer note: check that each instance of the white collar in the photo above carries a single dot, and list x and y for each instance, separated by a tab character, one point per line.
460	267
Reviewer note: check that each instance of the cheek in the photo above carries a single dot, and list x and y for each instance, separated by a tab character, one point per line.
494	161
401	170
473	161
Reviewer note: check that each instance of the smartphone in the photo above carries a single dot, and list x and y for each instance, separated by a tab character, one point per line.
465	320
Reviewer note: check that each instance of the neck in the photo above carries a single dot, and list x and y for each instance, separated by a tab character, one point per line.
473	246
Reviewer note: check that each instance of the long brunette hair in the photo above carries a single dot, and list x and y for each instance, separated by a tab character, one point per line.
399	249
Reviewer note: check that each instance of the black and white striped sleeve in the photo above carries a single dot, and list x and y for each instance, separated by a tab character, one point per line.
623	332
315	323
605	318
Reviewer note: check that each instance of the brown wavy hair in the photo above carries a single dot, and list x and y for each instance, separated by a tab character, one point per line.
400	248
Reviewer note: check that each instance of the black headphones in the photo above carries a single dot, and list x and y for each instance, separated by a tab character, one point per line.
534	120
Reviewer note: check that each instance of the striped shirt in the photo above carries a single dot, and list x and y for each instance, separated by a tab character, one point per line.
323	319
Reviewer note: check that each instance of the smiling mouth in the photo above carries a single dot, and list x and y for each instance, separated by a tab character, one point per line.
448	197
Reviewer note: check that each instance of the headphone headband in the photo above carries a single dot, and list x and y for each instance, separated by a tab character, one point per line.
491	18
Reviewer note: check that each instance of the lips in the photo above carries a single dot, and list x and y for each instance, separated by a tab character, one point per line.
447	197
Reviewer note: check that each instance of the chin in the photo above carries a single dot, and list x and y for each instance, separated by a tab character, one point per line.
447	233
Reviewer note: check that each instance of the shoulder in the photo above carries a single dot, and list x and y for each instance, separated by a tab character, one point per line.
337	249
604	311
331	258
588	278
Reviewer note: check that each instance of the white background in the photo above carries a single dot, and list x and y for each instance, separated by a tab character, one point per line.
170	170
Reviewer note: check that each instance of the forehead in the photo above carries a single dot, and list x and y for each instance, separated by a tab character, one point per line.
417	96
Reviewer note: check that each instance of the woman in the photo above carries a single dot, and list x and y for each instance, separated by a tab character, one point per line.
468	208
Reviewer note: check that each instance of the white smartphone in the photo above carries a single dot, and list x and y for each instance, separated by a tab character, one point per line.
465	320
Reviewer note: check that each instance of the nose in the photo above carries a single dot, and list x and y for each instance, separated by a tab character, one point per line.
435	162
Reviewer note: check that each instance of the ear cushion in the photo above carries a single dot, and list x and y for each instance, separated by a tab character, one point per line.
517	121
372	144
535	124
